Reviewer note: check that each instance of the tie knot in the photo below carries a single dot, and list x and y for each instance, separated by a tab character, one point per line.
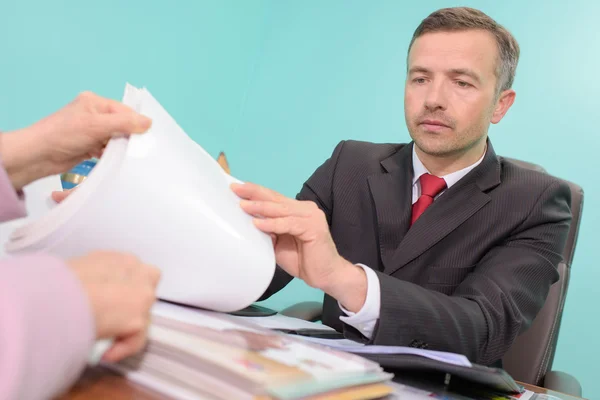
431	185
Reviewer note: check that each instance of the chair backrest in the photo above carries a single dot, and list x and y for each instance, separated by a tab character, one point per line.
531	355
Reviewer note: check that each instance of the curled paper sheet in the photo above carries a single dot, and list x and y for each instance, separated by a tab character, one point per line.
163	198
38	202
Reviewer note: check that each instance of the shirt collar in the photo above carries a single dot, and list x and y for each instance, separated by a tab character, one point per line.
419	169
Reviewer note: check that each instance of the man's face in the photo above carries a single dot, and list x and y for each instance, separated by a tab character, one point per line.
450	93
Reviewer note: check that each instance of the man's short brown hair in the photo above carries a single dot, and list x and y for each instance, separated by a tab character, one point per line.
465	18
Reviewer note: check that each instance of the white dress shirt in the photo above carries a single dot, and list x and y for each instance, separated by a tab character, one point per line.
366	318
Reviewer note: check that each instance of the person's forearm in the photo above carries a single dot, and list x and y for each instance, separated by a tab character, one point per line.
47	327
21	157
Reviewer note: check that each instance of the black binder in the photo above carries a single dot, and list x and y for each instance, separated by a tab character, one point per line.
494	379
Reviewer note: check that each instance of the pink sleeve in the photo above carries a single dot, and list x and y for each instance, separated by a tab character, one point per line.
12	204
46	327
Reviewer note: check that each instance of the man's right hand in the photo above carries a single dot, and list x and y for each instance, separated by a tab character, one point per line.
121	290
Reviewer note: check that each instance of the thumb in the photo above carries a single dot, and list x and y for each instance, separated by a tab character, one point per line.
115	124
125	347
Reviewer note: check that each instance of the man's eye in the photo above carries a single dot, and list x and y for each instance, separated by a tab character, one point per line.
462	84
419	80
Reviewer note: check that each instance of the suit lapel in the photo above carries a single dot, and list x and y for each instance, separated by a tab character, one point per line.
392	194
445	214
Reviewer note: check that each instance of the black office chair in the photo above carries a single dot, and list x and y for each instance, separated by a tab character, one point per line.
530	358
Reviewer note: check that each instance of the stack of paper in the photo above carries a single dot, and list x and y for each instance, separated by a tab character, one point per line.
200	354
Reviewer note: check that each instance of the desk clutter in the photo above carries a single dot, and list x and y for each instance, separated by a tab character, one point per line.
200	354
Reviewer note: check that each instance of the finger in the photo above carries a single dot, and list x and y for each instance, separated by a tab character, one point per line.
294	226
269	209
125	347
97	153
58	196
154	274
105	105
109	106
251	191
116	124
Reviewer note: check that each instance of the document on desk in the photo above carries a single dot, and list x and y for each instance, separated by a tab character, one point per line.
359	348
282	323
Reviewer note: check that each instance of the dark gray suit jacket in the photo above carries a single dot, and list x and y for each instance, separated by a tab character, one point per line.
471	273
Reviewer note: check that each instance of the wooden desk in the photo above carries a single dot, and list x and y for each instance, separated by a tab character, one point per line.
96	384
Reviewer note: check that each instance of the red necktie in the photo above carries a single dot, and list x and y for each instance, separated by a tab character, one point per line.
431	186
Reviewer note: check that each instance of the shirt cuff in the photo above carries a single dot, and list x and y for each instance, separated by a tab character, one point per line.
366	318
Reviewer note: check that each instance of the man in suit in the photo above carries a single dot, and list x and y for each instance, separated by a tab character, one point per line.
438	243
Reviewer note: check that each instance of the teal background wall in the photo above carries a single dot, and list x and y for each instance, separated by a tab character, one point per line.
276	84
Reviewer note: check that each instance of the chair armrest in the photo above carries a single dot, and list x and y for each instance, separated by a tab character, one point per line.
307	310
562	382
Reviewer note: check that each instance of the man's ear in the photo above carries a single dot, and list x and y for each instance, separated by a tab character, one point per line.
505	100
222	160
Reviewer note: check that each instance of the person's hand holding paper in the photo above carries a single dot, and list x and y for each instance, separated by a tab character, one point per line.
121	291
303	244
57	306
60	141
120	287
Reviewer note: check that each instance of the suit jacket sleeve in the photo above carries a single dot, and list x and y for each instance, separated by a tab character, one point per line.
309	192
495	303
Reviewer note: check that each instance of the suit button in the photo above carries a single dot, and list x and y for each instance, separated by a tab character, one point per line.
418	344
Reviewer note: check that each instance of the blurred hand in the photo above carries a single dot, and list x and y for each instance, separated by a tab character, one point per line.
76	132
121	290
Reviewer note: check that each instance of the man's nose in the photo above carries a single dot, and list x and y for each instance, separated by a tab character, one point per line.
436	97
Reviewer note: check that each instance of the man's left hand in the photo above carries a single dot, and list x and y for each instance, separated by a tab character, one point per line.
303	244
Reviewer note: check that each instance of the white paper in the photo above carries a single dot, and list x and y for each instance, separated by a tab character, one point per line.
163	198
279	321
359	348
38	201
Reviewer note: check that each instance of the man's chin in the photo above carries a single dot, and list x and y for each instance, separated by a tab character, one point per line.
440	153
436	148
